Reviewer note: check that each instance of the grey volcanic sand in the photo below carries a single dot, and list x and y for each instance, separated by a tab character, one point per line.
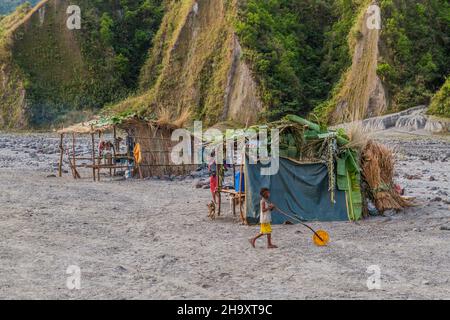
151	239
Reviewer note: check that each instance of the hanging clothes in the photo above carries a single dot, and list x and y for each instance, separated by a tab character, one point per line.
137	153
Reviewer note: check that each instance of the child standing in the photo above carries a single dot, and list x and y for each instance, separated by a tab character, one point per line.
213	177
265	219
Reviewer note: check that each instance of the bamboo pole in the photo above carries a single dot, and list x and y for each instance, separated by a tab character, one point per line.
219	186
99	158
93	155
74	170
140	172
104	166
90	158
110	162
241	172
69	158
74	164
116	149
234	176
61	155
113	153
116	144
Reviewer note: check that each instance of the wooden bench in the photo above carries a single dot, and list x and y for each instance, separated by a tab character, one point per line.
235	197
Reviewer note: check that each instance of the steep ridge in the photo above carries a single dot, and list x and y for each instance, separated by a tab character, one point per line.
396	67
234	61
362	94
195	64
8	6
51	73
13	107
45	73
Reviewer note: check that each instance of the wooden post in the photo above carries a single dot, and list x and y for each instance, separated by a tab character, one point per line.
99	162
73	156
233	204
72	167
234	176
93	155
116	145
140	172
220	174
116	150
110	162
241	172
61	154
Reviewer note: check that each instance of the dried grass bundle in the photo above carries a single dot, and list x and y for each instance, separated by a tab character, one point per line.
378	172
183	118
357	137
164	117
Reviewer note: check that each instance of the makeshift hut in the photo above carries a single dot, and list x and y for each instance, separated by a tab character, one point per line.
156	145
96	159
322	175
134	145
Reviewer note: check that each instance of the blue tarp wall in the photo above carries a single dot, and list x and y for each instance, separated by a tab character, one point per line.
298	189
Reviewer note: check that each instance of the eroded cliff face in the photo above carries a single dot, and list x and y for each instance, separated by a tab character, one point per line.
242	103
53	70
362	94
42	70
196	64
8	6
13	106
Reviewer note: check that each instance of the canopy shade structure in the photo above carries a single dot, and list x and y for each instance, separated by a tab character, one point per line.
148	139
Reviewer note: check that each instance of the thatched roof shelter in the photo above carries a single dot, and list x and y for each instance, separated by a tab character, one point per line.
153	138
93	126
155	141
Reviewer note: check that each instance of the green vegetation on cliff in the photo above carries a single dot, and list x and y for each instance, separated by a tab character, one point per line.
440	104
410	55
301	55
283	42
222	60
66	72
8	6
189	63
130	33
415	50
298	49
12	100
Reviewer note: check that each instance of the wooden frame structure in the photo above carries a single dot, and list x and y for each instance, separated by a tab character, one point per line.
154	140
95	157
235	196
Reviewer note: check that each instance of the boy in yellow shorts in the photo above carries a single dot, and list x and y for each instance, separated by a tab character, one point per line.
265	219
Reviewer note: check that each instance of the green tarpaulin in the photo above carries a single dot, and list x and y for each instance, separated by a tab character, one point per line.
298	189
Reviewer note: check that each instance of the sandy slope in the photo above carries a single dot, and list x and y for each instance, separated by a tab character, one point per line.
151	239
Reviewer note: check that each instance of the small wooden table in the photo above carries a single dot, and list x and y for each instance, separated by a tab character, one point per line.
235	195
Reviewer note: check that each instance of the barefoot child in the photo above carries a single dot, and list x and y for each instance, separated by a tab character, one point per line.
213	178
265	219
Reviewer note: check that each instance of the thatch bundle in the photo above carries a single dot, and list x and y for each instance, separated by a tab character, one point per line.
378	171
